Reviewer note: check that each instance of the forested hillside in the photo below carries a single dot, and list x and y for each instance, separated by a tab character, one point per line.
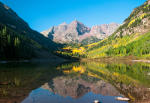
131	39
19	41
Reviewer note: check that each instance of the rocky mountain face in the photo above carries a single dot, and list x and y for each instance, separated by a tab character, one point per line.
137	22
77	32
100	31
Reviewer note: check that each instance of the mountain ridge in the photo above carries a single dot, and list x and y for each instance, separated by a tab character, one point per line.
77	31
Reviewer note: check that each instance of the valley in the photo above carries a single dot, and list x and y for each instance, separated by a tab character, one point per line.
73	62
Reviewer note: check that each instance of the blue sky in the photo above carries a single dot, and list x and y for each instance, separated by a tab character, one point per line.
42	14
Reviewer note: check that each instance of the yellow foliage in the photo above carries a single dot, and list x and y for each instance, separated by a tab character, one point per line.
115	74
66	48
66	71
142	16
75	51
78	50
133	20
94	44
93	75
79	69
82	49
99	52
124	41
102	54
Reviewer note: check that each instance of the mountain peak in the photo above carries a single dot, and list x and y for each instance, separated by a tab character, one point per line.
76	22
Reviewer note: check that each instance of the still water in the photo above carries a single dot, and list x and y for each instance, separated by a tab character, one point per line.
79	82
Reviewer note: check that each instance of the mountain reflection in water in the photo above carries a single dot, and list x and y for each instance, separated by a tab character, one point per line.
80	82
73	89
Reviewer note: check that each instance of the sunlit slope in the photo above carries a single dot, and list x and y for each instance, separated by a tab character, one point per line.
131	39
129	45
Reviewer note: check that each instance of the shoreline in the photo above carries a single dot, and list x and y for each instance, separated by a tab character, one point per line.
56	61
117	59
63	60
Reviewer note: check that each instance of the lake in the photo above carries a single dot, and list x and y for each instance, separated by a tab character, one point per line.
77	82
